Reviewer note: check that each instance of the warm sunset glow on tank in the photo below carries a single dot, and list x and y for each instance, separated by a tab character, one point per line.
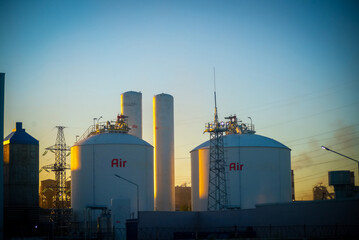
75	163
121	104
203	173
154	153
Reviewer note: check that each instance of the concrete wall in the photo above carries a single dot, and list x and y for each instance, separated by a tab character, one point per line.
297	217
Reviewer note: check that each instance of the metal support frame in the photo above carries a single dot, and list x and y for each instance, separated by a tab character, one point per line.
217	185
217	188
60	149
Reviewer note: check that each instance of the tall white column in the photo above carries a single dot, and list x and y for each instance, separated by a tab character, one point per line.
131	106
163	130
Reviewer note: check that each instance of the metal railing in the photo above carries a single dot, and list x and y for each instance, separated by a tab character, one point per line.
89	132
242	128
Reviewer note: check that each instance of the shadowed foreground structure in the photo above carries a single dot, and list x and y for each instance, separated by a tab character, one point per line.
21	183
314	219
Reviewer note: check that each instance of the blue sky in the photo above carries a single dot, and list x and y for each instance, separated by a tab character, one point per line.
290	65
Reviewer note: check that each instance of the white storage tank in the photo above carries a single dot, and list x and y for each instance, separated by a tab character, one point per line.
163	131
258	170
96	160
131	106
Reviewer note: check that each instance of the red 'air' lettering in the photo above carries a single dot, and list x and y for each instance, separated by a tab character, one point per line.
116	163
124	162
235	167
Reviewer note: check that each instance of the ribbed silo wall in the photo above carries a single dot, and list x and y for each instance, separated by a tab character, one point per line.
163	128
131	106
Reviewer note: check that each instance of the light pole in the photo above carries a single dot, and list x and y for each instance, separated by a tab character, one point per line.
325	148
98	120
251	122
138	210
94	124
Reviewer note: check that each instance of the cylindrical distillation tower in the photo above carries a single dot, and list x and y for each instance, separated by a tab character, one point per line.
131	106
163	130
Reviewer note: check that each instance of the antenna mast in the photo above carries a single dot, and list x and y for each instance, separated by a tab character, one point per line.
217	187
215	97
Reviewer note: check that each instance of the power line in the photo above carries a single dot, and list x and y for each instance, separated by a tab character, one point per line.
308	116
303	97
313	176
321	154
324	139
316	164
323	133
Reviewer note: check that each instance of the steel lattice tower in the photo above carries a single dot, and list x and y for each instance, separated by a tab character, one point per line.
60	149
217	186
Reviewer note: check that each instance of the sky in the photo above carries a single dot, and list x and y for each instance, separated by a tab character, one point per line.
292	66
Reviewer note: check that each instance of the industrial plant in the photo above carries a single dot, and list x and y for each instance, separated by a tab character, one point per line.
122	187
95	161
257	169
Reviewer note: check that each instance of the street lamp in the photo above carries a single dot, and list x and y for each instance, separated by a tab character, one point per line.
136	189
98	120
94	123
325	148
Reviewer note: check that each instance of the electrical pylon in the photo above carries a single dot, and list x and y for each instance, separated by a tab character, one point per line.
60	149
217	186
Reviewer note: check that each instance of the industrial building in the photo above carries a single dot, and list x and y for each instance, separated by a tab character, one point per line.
114	170
122	187
258	170
332	219
96	160
343	183
21	183
183	198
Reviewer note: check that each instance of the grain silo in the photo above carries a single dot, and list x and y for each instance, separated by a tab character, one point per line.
163	130
258	170
96	160
131	106
21	182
